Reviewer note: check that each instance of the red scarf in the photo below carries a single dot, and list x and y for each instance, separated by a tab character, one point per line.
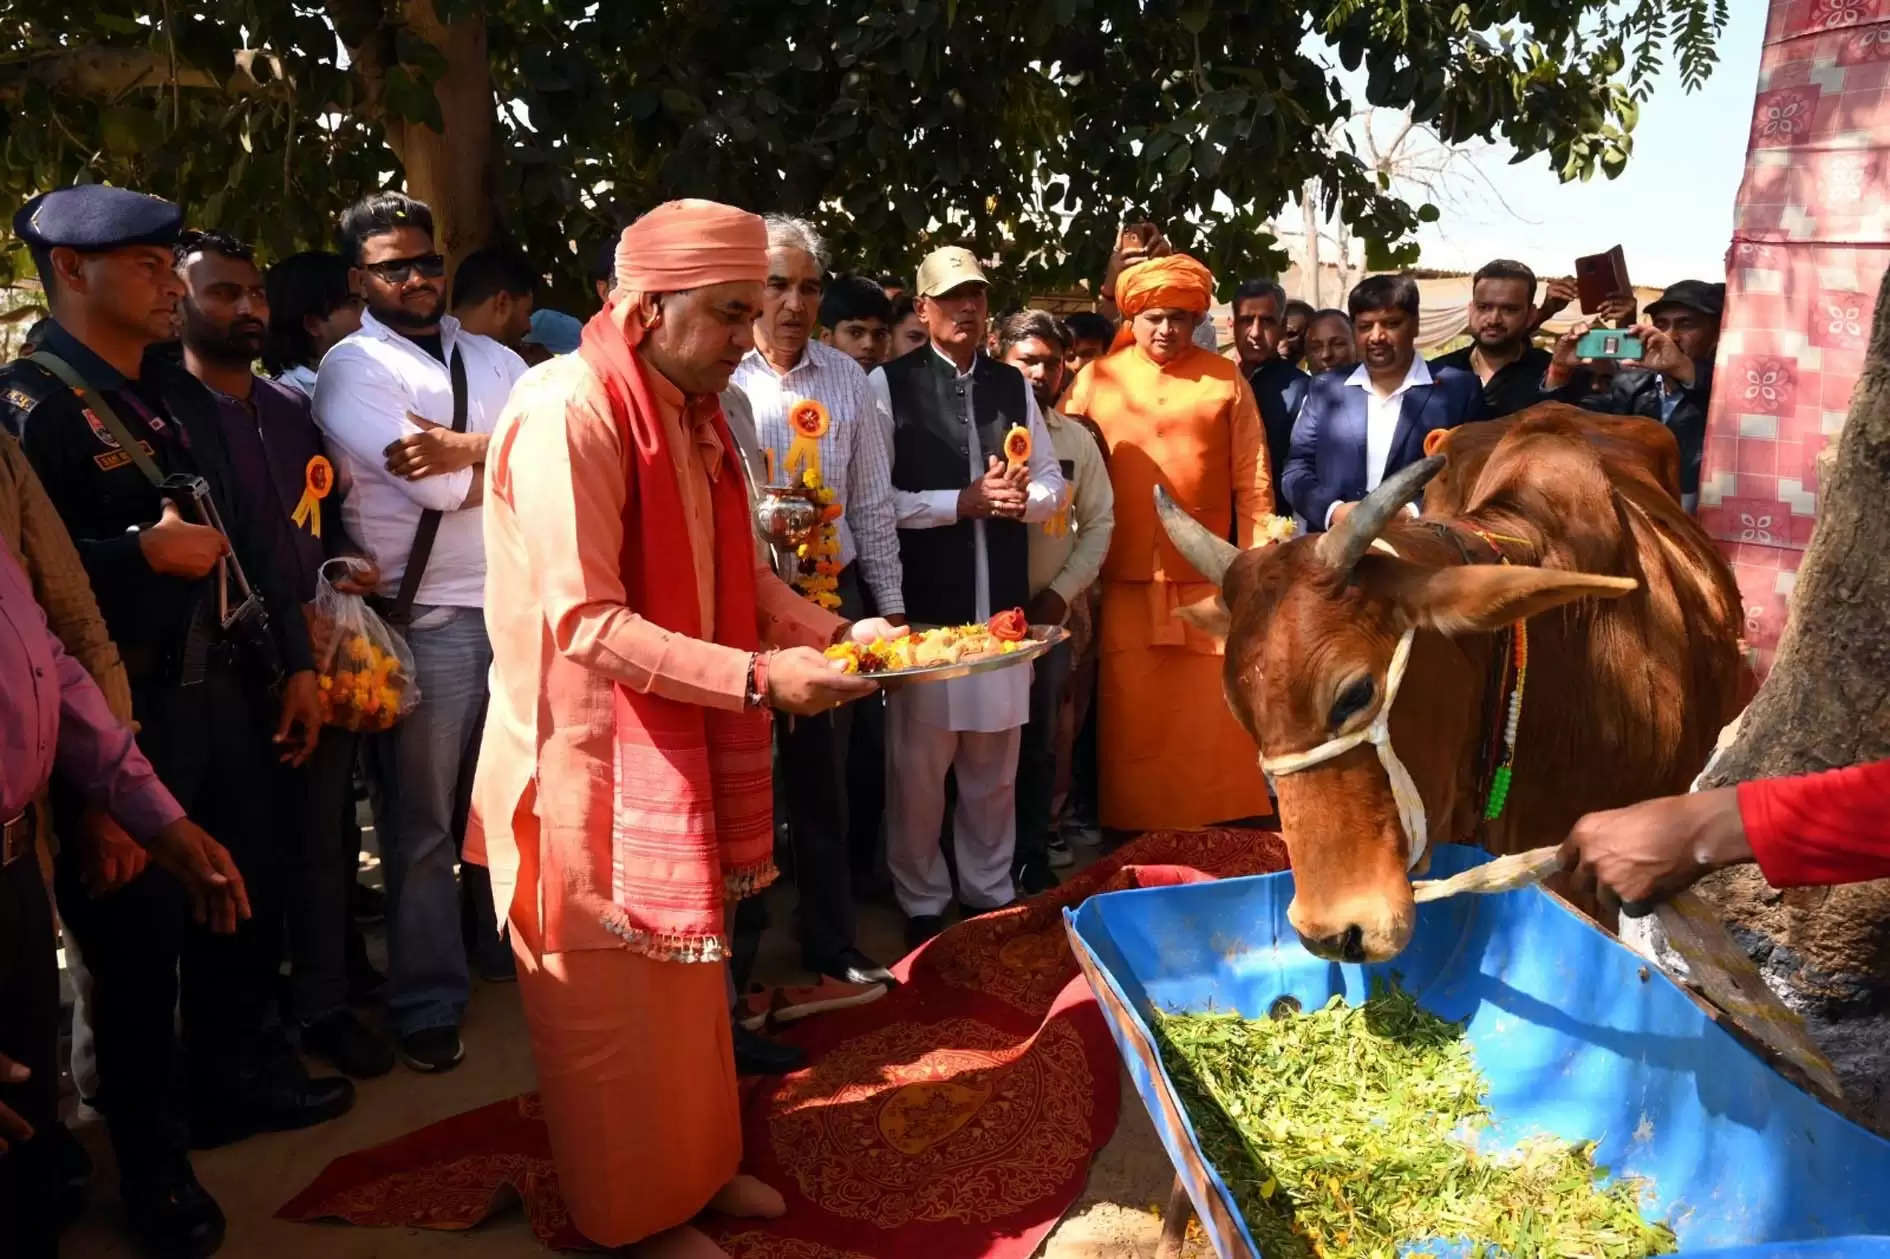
694	817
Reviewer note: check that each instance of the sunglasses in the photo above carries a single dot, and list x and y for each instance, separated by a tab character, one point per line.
398	270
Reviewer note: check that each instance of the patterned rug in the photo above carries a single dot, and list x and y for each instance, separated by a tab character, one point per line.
956	1117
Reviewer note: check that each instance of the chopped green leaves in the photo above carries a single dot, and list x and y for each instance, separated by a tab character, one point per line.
1348	1131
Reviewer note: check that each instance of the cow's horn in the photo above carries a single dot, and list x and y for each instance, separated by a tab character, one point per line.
1209	555
1341	545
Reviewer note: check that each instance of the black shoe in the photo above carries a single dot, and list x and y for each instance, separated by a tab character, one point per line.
173	1217
280	1098
368	905
1034	877
853	967
757	1055
922	927
432	1050
349	1045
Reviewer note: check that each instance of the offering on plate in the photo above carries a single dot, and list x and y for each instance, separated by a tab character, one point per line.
1003	635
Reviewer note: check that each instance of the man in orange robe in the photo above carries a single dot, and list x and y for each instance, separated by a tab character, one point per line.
623	786
1170	754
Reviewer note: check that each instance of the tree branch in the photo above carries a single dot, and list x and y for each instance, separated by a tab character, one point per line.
110	73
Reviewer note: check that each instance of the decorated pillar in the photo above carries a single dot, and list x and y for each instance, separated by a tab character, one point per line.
1811	239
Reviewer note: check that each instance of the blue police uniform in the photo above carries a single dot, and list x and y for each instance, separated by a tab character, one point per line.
205	719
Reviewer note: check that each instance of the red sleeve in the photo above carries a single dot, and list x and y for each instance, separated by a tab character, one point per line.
1820	829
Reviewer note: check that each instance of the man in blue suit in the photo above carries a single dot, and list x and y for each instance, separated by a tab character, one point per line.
1357	427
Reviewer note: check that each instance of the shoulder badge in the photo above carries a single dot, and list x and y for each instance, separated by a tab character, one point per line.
99	430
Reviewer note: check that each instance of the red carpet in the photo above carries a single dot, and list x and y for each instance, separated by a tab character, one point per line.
956	1117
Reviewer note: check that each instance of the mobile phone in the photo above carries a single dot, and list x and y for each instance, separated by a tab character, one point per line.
1608	343
1599	277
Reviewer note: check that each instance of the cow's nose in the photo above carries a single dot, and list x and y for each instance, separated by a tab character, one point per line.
1342	946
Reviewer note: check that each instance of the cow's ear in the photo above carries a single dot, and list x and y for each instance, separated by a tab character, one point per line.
1209	615
1478	598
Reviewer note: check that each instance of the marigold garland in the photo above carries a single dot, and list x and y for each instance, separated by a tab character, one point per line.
817	560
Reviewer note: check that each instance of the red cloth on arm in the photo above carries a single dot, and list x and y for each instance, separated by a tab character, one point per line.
1820	829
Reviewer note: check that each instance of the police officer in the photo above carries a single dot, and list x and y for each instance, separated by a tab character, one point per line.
217	696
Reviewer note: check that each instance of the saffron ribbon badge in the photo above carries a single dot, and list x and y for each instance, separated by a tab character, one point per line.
808	422
318	480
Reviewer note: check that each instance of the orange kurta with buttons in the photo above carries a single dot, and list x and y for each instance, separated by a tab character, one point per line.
1171	754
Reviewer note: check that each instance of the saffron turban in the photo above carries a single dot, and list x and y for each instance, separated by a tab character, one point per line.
1173	282
687	244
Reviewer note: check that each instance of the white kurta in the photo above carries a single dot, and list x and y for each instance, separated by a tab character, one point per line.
970	726
999	700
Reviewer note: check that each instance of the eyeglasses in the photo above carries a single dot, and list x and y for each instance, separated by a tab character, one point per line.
398	270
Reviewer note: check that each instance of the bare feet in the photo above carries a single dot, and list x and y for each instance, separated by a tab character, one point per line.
747	1198
678	1243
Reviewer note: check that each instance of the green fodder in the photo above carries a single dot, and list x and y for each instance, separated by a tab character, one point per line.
1350	1130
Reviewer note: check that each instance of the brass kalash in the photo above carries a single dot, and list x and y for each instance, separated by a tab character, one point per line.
786	516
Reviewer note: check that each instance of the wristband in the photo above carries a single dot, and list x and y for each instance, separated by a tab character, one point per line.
757	681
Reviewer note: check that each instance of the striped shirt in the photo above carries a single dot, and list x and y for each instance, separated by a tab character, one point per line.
853	456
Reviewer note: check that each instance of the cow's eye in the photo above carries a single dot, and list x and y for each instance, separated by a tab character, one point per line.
1352	700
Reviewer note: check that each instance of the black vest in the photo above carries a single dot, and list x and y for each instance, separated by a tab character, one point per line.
931	452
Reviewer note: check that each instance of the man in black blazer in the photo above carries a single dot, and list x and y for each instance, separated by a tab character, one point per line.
1358	426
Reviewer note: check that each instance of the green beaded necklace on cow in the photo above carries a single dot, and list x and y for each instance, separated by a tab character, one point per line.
1519	660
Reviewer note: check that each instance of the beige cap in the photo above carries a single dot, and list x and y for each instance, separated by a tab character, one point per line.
945	269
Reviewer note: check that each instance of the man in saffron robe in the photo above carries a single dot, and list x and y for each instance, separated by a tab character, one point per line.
623	787
1169	751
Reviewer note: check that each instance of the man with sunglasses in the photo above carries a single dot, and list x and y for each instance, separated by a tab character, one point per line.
386	398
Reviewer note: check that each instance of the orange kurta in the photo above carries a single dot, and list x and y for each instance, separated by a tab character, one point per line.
1170	753
635	1067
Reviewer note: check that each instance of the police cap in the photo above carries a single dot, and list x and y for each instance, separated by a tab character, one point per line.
97	217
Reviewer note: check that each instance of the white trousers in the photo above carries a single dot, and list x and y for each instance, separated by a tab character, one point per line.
984	825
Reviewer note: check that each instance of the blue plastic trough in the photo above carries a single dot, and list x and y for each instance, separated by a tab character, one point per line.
1578	1037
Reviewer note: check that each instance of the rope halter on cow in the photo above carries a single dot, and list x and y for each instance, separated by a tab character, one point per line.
1339	549
1377	732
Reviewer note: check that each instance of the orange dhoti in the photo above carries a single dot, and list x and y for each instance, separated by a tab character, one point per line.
1171	753
636	1071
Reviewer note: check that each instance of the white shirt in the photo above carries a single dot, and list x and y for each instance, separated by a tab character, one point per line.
1382	413
300	377
853	458
366	388
998	700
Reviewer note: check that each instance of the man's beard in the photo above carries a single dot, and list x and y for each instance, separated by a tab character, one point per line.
1500	345
229	346
398	316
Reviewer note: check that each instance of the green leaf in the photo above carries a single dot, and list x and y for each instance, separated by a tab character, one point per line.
1428	213
1381	255
681	103
1178	159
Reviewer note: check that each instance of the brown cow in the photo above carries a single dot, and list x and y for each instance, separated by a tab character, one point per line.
1633	625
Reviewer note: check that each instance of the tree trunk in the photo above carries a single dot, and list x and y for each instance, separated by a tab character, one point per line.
1826	703
450	169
